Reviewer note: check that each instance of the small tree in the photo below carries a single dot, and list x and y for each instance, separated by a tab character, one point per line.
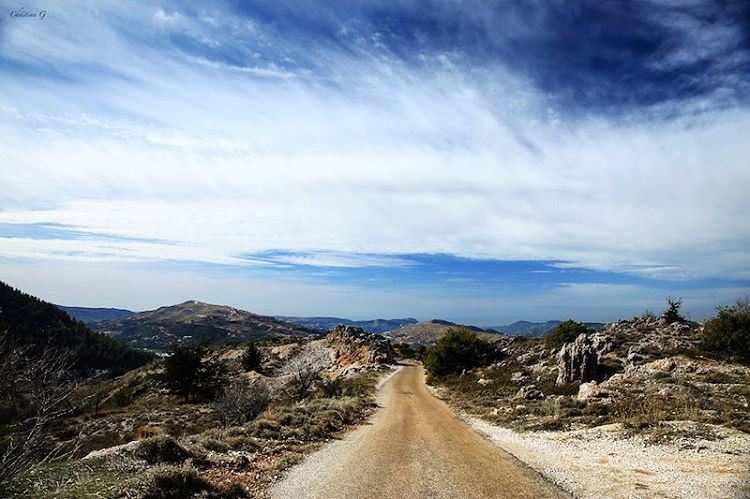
565	332
189	374
304	373
672	313
36	393
727	336
456	351
242	401
252	357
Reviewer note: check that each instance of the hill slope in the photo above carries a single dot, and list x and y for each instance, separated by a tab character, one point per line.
527	328
37	324
89	315
195	321
427	332
329	323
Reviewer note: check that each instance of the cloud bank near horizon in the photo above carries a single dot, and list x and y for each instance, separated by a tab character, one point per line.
292	134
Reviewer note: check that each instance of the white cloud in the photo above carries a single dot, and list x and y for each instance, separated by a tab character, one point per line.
368	157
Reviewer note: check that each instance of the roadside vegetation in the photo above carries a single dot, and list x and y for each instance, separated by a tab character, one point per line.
198	422
457	351
652	375
727	336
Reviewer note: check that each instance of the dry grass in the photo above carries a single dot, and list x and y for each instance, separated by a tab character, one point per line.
217	462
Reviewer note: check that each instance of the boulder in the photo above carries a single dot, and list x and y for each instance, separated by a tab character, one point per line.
529	392
577	361
591	390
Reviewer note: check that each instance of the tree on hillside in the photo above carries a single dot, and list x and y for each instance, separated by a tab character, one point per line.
456	351
252	357
672	313
565	332
189	374
40	326
727	336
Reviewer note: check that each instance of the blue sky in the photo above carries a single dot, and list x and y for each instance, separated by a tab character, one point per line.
476	161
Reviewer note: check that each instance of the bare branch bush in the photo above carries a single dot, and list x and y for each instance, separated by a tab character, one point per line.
241	401
36	392
304	371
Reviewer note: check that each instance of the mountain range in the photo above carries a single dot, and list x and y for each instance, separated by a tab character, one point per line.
91	315
527	328
328	323
197	321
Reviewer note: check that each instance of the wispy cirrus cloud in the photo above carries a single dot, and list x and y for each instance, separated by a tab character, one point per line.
345	138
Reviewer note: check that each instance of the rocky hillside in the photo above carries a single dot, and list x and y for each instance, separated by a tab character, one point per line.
636	409
195	321
354	347
137	439
527	328
328	323
427	332
643	371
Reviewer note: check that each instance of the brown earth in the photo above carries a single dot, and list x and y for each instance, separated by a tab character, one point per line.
415	447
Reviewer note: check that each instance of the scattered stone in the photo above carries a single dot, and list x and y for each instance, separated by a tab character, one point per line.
526	358
519	377
529	392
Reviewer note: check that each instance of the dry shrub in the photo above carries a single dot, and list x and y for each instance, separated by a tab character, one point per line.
170	482
147	431
242	401
162	449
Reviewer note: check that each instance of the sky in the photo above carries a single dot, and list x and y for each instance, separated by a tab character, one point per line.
477	161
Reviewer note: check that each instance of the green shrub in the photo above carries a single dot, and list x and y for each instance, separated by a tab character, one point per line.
727	336
456	351
162	449
407	351
123	397
252	357
565	332
330	388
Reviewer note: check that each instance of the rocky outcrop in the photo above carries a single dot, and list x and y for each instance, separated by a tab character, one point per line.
353	345
578	361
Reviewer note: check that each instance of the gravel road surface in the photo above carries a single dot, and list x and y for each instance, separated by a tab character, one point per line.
415	447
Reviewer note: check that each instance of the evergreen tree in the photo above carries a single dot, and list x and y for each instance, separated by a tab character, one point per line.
252	357
190	375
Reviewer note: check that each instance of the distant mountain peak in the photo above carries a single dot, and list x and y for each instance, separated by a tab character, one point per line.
427	332
194	321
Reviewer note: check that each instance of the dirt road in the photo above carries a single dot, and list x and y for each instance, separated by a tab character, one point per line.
414	447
